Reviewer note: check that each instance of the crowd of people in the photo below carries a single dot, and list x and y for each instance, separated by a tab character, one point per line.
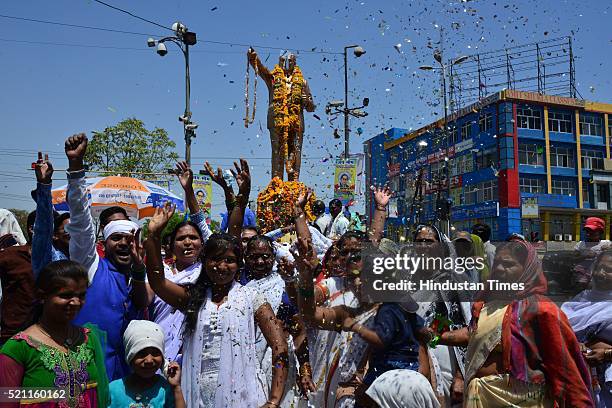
237	318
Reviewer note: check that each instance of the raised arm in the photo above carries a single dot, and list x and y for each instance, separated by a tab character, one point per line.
42	239
82	245
326	318
260	68
185	176
272	330
230	199
243	179
381	200
171	293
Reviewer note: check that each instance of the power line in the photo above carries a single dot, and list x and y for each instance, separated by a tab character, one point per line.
33	20
132	14
311	51
73	45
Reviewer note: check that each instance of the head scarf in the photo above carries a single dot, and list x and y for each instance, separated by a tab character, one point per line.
402	389
119	227
479	252
141	334
538	343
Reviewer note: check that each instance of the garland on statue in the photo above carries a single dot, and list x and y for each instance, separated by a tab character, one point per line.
287	107
275	204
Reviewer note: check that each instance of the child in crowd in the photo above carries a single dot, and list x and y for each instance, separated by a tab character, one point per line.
144	351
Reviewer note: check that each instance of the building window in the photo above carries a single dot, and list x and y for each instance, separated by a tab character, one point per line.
592	159
485	122
470	194
528	118
564	187
562	157
487	158
487	191
591	125
453	135
585	195
393	157
466	130
531	185
560	122
455	196
531	154
602	194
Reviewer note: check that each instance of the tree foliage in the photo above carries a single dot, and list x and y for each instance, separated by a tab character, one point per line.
130	149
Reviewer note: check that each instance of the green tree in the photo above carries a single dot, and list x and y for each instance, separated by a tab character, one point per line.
130	149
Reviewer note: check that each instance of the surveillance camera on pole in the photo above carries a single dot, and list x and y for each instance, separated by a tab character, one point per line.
151	42
161	49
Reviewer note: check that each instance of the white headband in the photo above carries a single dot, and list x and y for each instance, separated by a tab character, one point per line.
119	226
142	334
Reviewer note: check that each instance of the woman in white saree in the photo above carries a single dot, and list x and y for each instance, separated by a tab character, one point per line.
219	355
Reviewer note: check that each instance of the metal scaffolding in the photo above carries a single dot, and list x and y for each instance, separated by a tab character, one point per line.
546	67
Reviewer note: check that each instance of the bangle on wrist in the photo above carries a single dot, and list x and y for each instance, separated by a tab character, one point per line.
305	370
381	208
273	403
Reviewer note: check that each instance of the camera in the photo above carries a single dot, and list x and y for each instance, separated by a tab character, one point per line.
161	49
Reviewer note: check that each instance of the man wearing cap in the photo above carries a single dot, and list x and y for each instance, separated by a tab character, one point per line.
117	291
587	251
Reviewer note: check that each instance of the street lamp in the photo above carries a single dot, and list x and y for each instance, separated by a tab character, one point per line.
439	59
340	107
183	38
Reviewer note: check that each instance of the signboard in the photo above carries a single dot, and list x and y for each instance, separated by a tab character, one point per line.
344	179
553	200
202	187
529	207
480	210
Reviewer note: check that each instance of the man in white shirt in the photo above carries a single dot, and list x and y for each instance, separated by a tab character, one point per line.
322	219
340	223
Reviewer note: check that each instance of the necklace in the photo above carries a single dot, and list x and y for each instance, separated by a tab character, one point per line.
68	341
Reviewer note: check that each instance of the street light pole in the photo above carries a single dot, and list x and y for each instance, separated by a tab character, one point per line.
346	113
358	51
189	133
439	59
183	39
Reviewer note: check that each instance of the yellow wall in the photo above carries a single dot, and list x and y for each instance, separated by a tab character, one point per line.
545	226
579	160
607	134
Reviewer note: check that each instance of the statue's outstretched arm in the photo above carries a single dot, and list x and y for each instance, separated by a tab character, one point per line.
256	63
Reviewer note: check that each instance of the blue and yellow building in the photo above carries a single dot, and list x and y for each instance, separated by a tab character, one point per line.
521	162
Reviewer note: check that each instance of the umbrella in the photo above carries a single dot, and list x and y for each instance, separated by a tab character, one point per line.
138	197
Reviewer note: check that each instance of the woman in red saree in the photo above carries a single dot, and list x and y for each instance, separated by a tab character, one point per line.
521	348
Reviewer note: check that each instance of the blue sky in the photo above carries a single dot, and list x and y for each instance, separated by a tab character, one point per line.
52	91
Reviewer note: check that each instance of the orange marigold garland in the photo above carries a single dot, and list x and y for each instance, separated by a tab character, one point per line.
287	107
275	204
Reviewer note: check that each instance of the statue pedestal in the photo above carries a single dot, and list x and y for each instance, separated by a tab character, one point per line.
275	204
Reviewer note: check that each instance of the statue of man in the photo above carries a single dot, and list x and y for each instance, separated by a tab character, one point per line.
288	95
